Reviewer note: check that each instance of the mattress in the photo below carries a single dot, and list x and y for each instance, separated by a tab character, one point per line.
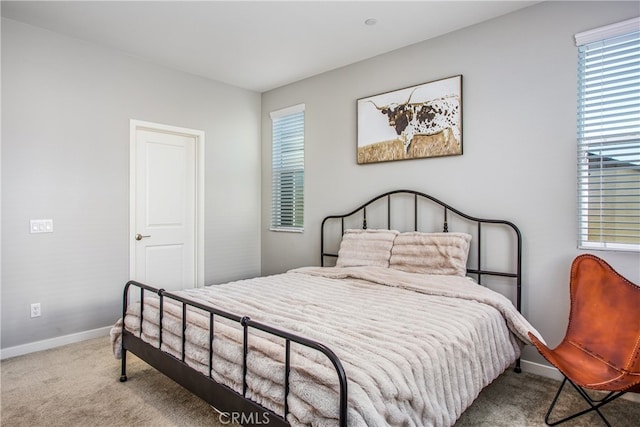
417	348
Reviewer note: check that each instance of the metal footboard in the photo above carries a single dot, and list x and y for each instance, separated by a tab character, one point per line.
220	396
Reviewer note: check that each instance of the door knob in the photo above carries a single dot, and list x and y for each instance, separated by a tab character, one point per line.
140	236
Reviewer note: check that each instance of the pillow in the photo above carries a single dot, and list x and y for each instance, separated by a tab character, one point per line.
365	248
431	253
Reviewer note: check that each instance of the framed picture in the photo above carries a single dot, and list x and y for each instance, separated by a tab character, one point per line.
411	123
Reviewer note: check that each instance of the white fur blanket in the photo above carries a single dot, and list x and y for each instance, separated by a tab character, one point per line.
417	349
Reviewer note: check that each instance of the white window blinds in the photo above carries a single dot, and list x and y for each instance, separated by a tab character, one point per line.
287	172
609	137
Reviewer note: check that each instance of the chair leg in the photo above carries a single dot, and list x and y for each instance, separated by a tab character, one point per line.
594	404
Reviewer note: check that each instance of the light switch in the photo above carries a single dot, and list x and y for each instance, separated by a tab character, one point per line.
41	226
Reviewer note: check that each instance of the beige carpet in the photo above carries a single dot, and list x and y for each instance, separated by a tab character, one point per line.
78	385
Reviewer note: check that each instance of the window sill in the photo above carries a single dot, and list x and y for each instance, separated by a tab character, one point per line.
287	230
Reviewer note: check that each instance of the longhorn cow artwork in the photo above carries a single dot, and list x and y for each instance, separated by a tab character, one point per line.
415	122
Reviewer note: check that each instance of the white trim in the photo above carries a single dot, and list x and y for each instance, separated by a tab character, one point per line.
286	111
540	369
47	344
288	229
553	373
608	31
608	246
134	125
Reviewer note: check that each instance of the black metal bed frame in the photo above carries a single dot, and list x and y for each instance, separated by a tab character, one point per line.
218	395
417	196
229	401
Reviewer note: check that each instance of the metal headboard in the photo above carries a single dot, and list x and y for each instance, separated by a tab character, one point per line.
477	270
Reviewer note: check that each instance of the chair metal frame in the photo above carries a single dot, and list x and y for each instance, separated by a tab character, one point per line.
595	404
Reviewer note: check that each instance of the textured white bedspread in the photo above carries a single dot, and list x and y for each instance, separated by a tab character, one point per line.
417	349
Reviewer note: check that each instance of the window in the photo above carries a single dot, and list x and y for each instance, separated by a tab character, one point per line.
287	169
609	137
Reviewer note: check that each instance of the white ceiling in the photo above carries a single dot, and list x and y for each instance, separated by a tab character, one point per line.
257	45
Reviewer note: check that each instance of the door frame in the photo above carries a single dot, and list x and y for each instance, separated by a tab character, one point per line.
198	135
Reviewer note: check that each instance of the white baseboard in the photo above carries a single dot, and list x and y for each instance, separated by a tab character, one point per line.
19	350
552	372
540	369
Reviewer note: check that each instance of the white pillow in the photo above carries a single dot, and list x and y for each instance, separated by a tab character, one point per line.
431	253
365	248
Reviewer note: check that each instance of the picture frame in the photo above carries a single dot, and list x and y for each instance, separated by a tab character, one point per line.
415	122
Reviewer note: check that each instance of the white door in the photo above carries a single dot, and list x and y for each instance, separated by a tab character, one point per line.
164	217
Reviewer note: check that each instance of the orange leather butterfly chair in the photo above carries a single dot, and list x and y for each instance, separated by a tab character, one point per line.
601	348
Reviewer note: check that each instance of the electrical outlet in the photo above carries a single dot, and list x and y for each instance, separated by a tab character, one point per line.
35	309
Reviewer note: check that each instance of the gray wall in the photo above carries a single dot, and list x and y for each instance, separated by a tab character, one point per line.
66	106
519	161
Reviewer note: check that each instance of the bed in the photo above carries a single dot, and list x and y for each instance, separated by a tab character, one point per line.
393	328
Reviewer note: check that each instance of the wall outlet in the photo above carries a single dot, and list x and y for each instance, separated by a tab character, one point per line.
35	309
